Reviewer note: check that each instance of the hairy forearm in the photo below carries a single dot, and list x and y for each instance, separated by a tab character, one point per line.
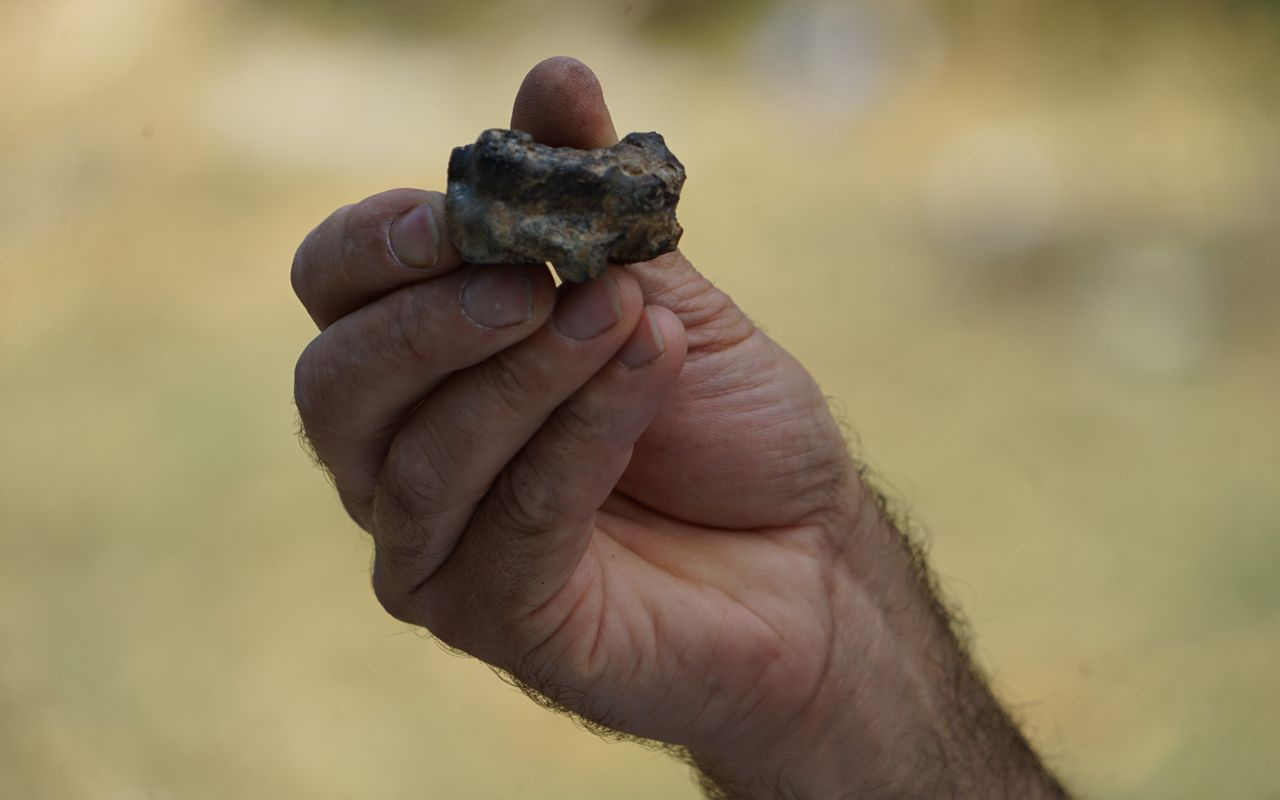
904	712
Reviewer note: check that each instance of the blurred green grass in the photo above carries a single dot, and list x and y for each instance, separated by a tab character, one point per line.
1080	408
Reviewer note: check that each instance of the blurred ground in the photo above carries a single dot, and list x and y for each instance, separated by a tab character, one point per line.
1029	249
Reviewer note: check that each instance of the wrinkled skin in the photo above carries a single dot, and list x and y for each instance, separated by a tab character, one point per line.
669	539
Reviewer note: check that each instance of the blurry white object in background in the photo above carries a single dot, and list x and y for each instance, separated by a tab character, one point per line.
838	58
72	48
285	97
991	191
1151	310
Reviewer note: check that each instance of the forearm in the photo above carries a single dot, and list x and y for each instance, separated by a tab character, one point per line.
903	712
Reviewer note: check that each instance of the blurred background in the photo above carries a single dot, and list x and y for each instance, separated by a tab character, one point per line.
1029	248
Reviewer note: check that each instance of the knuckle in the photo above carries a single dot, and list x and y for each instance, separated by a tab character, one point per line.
393	597
365	234
308	257
396	532
312	392
357	505
298	271
405	330
355	228
510	382
526	505
417	470
580	421
414	607
306	390
409	550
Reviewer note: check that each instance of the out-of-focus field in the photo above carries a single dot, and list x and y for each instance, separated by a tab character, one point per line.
1031	253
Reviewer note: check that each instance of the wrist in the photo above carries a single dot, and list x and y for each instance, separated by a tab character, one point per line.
900	712
863	734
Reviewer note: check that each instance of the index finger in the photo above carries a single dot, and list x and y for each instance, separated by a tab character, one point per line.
368	249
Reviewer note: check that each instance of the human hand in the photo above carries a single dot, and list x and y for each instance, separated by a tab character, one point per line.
627	496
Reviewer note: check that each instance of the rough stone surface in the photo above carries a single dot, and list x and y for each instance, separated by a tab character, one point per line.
512	201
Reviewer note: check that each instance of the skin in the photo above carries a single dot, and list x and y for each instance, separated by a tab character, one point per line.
658	526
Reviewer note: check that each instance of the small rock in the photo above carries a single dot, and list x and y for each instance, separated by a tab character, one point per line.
512	201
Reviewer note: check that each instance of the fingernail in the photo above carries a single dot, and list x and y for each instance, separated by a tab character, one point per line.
498	297
588	309
415	239
645	344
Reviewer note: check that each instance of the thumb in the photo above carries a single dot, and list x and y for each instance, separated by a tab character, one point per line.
561	104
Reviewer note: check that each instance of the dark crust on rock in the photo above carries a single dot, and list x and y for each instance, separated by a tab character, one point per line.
512	201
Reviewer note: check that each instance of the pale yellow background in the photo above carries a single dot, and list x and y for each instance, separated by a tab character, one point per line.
1029	248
